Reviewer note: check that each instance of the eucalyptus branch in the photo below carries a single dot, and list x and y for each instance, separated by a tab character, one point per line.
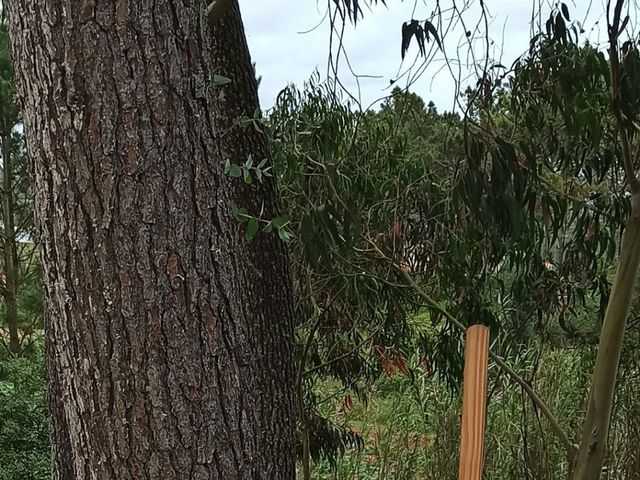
29	331
567	195
317	315
555	425
346	354
21	227
615	29
570	448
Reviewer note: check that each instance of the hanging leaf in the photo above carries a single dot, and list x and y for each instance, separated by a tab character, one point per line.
565	11
406	38
624	24
549	28
420	37
560	31
353	13
284	235
515	217
279	222
353	8
429	28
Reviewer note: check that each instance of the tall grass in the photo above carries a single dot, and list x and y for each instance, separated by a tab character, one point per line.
411	428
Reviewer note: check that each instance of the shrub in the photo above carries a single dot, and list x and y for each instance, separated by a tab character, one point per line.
24	431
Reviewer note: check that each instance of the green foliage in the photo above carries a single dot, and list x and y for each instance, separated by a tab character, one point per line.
24	433
8	107
543	182
351	187
410	427
31	296
509	217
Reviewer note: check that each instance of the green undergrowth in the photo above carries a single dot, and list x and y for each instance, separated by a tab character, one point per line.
24	433
410	427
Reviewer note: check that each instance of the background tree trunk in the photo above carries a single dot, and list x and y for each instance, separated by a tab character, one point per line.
10	251
169	337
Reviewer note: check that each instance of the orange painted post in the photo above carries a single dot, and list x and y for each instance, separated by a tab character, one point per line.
474	402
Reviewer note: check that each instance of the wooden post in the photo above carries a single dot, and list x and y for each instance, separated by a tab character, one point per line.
474	402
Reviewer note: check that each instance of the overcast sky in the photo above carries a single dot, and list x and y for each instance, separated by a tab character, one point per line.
284	53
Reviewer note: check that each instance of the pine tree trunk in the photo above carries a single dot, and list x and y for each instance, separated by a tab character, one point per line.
169	337
10	288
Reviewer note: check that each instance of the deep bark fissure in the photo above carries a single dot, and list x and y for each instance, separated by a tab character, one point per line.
169	336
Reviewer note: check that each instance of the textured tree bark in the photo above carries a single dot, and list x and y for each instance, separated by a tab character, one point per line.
169	337
10	251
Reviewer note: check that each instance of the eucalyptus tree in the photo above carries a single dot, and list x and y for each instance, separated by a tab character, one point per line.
352	183
577	110
546	184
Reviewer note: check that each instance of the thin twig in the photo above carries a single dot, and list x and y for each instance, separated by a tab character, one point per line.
346	354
